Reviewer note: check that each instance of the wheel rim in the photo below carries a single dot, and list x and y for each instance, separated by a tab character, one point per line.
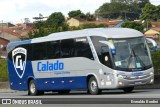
93	86
32	88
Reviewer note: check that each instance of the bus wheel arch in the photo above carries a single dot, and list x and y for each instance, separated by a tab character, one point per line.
29	79
32	90
92	85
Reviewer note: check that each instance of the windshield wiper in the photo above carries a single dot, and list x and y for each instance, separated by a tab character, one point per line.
136	57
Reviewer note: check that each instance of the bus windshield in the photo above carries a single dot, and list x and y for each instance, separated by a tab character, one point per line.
131	54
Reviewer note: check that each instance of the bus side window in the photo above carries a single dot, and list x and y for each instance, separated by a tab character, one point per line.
67	48
39	51
28	47
10	53
53	49
82	49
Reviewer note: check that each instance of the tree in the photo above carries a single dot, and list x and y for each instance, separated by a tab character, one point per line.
92	25
150	12
54	23
133	25
112	10
76	13
125	9
26	20
56	19
90	17
142	3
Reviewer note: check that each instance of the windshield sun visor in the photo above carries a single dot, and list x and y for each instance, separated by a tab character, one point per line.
110	45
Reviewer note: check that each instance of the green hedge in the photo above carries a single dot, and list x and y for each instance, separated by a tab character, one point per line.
156	61
3	70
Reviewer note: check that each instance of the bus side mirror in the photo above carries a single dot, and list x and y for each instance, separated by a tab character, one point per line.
149	40
110	45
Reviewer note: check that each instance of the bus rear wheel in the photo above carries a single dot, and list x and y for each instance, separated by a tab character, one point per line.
33	90
93	86
128	89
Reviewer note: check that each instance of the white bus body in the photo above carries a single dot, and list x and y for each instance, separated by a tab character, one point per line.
93	59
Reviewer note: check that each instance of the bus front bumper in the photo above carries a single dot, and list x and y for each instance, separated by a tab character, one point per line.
134	82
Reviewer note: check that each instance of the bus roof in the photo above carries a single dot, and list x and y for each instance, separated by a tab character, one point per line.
104	32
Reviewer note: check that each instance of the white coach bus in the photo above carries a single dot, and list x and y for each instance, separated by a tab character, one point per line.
93	59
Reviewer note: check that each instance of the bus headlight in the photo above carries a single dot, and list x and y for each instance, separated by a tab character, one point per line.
152	80
151	73
120	83
122	76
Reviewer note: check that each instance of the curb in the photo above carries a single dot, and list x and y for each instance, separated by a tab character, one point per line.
7	91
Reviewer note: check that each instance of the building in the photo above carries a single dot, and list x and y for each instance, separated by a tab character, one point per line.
3	44
9	35
77	22
26	25
153	33
6	25
73	22
155	24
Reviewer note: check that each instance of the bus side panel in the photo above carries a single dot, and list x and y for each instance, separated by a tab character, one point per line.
61	83
70	77
17	83
78	82
44	83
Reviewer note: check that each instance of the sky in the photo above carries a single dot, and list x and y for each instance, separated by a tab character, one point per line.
15	11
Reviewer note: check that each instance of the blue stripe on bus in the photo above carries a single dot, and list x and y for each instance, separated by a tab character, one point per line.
78	82
19	83
19	43
55	83
63	83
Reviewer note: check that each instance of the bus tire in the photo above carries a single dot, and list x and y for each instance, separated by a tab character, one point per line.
64	91
32	89
93	86
128	89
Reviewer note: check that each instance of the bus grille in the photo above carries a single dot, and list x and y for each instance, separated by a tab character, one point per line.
137	77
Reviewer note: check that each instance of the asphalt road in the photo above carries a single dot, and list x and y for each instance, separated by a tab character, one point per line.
143	93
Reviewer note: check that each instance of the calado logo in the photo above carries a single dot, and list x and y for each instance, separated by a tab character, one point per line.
50	66
19	56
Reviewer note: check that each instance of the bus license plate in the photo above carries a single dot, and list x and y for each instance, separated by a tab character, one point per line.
136	83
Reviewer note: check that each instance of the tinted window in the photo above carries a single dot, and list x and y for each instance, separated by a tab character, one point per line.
82	48
102	50
10	55
67	48
39	51
53	49
28	47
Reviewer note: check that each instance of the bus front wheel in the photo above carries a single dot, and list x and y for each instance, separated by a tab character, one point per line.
33	90
93	86
128	89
